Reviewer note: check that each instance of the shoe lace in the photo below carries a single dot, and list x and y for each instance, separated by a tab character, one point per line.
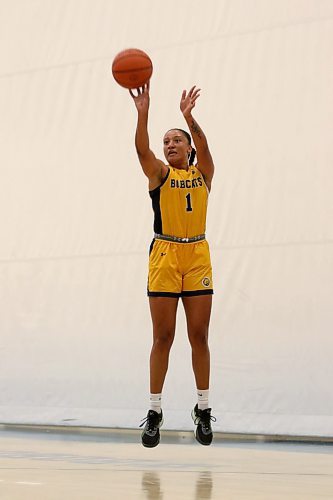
204	418
151	420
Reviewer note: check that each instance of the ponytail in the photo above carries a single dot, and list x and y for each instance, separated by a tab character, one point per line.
192	156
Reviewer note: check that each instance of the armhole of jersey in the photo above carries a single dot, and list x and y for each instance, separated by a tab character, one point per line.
203	178
208	190
163	182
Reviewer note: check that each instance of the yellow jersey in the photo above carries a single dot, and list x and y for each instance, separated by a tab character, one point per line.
180	203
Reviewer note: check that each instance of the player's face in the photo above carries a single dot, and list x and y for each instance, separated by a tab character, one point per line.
176	148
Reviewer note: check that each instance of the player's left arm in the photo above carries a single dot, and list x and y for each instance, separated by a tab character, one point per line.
205	161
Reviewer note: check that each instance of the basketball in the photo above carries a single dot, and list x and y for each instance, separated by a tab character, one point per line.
132	68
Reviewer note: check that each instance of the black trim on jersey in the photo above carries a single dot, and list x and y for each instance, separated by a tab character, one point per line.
197	292
163	294
155	196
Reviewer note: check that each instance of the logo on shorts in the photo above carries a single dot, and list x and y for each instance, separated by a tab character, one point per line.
206	282
162	254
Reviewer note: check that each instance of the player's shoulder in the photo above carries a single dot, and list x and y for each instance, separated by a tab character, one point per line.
158	180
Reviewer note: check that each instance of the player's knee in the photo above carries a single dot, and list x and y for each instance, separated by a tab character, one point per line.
199	338
164	339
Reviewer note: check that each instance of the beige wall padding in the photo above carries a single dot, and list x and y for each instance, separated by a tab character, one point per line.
76	219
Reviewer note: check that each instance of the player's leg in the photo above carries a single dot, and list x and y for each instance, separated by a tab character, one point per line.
163	313
198	311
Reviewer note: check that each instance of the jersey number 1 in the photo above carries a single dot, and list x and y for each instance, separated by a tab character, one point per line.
188	203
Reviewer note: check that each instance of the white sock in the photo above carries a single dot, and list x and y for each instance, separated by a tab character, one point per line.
203	399
155	402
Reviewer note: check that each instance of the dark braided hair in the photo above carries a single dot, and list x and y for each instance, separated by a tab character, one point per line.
193	152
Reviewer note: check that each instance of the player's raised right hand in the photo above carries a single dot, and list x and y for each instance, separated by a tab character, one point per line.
141	97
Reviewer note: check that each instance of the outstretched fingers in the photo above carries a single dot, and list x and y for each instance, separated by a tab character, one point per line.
195	94
140	90
192	94
193	91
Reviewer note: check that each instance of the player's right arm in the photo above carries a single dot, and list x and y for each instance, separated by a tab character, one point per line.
153	168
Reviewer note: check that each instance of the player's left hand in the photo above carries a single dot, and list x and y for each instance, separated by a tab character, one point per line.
187	101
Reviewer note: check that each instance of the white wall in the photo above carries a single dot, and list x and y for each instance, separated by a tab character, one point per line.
76	221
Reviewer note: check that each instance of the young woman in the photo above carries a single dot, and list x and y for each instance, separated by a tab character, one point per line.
179	261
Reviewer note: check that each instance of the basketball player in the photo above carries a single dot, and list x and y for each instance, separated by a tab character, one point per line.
179	261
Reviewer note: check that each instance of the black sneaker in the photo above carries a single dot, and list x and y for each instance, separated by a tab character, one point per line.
151	433
202	419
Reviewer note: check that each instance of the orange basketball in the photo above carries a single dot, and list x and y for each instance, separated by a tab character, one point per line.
132	68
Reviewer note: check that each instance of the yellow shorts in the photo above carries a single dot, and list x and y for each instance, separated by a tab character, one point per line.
179	269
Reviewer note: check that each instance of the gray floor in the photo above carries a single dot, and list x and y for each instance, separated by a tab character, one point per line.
56	464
